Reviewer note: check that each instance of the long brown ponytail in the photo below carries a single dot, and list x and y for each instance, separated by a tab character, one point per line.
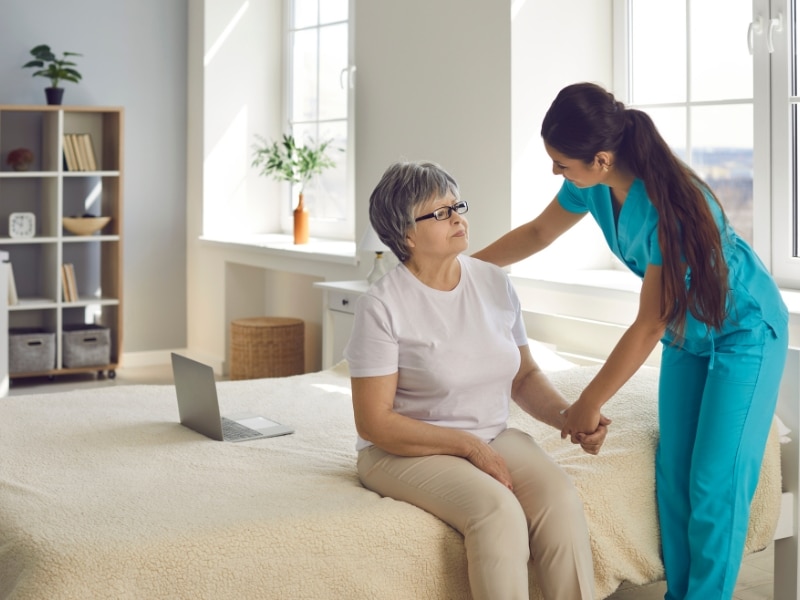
585	119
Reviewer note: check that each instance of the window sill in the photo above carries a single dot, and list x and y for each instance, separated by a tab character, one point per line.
282	245
611	284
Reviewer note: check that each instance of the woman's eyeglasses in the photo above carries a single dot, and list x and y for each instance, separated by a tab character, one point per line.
443	213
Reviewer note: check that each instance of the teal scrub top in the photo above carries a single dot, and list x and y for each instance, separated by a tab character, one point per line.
754	298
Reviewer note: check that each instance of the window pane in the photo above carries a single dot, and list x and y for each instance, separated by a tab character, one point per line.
325	195
304	13
332	11
795	166
304	75
723	156
793	104
333	74
721	65
658	51
793	49
671	124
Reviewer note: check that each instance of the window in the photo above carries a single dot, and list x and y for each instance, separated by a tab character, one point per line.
719	80
319	101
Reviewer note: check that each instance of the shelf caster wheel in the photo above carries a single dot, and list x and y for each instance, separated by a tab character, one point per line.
112	374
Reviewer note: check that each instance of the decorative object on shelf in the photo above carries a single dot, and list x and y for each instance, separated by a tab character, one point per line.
286	161
85	225
20	159
372	243
56	69
21	225
13	298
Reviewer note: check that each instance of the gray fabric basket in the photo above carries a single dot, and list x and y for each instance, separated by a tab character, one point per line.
31	351
86	346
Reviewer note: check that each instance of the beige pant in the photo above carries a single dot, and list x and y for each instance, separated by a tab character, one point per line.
542	519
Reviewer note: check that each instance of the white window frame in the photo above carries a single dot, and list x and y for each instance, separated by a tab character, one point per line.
774	115
774	207
343	229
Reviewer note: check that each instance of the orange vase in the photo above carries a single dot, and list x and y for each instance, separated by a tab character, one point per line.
300	222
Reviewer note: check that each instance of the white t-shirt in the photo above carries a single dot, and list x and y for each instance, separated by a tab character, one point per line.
456	352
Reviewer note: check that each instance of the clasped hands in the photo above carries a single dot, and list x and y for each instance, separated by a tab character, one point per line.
585	425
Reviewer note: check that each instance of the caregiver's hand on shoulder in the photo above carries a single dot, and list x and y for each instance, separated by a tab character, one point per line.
488	460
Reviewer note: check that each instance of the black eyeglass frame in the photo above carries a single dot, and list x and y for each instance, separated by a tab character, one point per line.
459	208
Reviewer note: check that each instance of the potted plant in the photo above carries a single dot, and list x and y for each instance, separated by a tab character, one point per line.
285	160
53	68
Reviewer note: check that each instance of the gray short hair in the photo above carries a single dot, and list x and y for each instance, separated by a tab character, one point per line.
403	187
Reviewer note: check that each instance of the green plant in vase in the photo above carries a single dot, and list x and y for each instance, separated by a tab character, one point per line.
53	68
286	160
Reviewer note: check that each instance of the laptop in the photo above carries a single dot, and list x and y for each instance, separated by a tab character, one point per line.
198	406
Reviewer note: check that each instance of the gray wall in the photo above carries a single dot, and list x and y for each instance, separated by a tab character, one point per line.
134	56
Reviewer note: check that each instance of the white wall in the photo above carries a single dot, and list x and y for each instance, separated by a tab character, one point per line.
555	44
134	56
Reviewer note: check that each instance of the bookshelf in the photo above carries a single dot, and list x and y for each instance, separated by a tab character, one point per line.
50	190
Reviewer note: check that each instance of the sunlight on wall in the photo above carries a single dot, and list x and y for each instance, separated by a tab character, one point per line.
225	180
516	6
581	51
92	196
212	51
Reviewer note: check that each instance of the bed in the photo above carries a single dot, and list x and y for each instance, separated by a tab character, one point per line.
104	495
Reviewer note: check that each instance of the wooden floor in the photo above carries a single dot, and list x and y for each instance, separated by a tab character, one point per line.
755	582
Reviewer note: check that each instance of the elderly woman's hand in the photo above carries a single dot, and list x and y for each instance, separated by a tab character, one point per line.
488	460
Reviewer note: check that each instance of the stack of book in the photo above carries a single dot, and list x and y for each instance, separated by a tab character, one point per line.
79	152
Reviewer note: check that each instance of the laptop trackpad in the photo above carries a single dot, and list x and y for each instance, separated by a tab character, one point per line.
258	423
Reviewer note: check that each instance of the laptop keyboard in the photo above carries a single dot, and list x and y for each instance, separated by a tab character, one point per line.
233	431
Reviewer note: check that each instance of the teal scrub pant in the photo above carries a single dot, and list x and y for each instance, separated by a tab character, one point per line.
716	406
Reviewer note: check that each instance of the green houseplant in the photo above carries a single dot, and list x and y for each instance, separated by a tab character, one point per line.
286	160
53	68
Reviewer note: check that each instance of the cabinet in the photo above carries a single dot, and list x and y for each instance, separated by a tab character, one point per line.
50	191
339	303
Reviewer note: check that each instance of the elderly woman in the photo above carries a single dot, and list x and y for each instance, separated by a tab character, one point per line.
437	351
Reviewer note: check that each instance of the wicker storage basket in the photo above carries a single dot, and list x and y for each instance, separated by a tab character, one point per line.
267	347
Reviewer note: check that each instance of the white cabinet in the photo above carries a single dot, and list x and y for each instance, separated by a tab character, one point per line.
339	302
49	191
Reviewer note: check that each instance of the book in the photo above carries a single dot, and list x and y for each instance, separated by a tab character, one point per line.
12	287
68	282
79	152
88	149
69	154
64	284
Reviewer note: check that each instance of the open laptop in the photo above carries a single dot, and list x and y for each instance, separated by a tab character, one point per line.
198	406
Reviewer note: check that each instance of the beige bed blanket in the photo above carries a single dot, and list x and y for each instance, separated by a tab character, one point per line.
104	495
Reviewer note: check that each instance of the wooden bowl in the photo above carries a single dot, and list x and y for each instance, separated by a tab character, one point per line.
84	225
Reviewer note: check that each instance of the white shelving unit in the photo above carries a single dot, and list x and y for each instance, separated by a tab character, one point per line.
50	191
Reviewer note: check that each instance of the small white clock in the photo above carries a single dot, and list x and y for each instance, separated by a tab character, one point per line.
21	225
